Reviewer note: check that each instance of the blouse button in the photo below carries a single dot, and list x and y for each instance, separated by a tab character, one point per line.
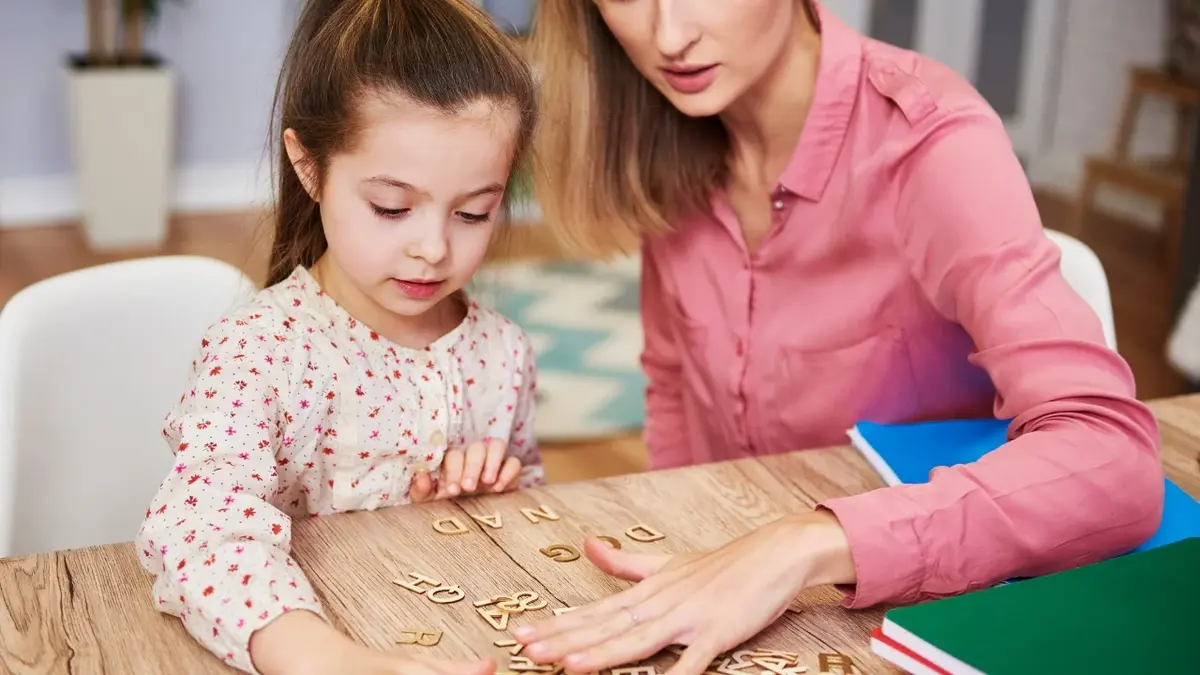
437	438
778	204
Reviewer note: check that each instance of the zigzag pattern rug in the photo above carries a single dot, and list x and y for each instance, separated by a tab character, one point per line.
583	320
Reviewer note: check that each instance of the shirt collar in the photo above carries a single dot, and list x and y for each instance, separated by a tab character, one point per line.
834	97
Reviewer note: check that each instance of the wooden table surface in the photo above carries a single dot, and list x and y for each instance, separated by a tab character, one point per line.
90	611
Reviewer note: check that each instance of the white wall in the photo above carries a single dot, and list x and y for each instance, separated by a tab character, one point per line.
1100	40
225	92
226	54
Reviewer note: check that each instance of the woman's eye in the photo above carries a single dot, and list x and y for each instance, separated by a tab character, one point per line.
388	213
474	217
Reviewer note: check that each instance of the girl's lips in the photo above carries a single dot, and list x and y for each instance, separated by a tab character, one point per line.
691	80
418	289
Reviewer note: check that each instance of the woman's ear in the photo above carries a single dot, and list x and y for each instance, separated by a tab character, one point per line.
301	163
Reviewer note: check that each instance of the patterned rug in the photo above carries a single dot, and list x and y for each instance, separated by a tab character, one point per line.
583	320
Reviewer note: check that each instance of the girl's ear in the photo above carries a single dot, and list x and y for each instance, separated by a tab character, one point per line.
301	163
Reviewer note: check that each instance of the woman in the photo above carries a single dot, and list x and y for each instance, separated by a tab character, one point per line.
832	229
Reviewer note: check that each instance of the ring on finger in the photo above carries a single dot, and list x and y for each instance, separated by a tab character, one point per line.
633	615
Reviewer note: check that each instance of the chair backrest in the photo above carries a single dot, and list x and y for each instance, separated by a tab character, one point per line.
90	363
1083	272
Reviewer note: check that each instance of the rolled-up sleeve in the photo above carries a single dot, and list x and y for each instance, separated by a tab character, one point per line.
1079	479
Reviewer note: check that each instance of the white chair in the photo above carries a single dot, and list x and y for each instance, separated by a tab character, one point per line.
90	363
1083	272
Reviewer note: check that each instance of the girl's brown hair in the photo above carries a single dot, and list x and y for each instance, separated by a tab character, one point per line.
615	159
443	54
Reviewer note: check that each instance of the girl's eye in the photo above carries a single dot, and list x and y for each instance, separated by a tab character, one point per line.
388	213
475	217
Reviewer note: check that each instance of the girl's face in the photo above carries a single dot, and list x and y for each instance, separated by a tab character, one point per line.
409	211
703	55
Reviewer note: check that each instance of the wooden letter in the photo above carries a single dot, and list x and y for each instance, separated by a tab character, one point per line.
514	648
493	521
425	637
520	664
644	533
450	526
417	579
842	662
563	610
561	552
520	603
611	541
495	618
444	595
542	511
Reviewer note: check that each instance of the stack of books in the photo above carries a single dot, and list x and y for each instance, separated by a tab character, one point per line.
1138	612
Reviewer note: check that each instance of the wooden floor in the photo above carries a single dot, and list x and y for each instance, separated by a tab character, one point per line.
1141	293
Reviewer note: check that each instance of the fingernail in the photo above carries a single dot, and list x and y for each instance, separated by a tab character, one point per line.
523	632
468	484
574	660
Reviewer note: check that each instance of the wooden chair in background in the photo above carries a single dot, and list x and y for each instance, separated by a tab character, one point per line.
1163	181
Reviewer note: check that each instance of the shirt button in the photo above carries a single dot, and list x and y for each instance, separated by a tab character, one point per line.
778	204
437	438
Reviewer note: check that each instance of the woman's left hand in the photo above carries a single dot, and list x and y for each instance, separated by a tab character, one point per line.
711	601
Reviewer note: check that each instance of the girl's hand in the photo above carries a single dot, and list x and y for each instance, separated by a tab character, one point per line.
711	601
301	643
482	467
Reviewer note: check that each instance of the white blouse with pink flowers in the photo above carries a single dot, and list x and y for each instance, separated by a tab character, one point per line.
294	408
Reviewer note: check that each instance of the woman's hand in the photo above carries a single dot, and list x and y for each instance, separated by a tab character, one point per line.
710	601
302	643
482	467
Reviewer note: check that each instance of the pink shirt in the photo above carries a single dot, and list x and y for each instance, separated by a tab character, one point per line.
906	276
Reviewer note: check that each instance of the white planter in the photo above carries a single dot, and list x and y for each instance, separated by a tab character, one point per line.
122	138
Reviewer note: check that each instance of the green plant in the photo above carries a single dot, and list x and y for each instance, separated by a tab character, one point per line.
110	21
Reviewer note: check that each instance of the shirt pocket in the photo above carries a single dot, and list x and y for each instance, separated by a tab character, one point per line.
826	391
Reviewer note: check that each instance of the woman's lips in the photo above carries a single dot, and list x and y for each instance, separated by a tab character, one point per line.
690	79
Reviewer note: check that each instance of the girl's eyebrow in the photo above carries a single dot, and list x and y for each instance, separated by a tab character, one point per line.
494	188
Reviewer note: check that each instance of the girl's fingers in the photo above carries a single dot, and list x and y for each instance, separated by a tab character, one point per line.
496	450
452	472
476	454
509	473
421	489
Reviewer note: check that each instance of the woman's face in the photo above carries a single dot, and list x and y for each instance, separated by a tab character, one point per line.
703	55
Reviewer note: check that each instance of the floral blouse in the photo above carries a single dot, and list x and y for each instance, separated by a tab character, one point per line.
295	408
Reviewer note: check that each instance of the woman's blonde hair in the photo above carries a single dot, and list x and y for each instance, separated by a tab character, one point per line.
615	160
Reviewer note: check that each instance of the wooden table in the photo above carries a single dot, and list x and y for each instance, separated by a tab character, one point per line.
89	610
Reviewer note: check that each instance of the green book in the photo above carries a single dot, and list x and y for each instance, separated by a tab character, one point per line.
1135	613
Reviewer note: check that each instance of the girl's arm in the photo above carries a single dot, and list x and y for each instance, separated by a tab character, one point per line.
218	548
1080	478
665	432
522	442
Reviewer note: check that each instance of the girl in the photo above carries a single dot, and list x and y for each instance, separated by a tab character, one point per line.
833	230
363	369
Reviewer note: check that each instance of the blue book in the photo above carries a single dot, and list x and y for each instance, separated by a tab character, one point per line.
906	453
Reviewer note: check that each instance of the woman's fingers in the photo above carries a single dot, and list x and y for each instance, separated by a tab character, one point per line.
475	456
627	637
622	564
695	659
509	472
